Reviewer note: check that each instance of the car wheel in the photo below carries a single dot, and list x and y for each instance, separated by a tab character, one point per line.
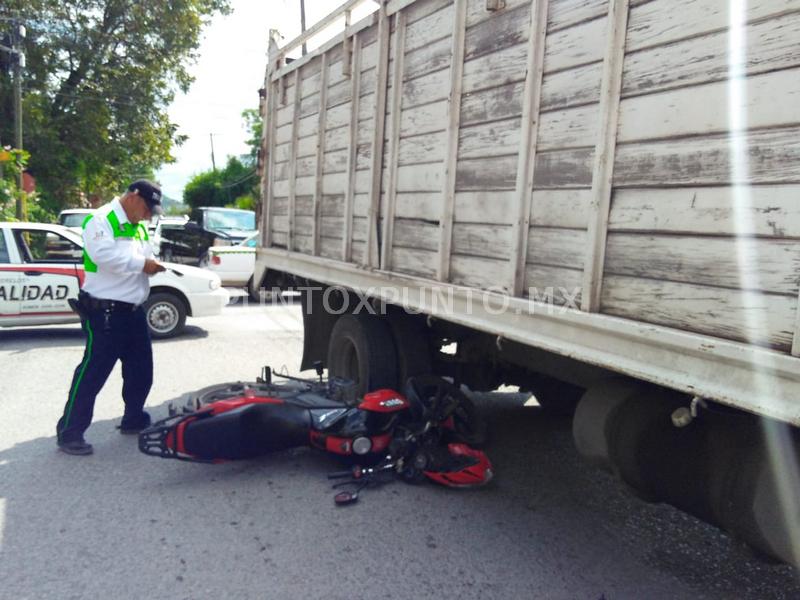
166	315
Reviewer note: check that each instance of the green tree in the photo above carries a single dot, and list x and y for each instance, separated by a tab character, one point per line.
221	188
100	76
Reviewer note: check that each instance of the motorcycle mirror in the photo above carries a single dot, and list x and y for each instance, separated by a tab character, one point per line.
343	498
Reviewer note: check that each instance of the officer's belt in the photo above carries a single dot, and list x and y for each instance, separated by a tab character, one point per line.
91	303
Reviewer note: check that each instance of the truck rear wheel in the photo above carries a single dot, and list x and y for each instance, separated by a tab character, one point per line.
361	348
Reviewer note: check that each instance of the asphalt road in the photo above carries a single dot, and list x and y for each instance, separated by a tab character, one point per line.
119	524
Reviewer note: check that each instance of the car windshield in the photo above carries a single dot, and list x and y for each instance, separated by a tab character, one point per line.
230	219
73	219
250	242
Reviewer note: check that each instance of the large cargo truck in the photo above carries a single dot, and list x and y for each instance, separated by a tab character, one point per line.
594	199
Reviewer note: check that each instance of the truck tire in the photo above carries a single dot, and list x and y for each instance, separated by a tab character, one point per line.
361	349
166	315
412	346
253	291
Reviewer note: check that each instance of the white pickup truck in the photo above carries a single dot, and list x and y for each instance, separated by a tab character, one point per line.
570	196
41	268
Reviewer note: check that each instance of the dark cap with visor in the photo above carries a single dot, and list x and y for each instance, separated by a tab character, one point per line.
150	192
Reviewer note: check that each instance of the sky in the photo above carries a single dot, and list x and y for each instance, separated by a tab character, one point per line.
228	74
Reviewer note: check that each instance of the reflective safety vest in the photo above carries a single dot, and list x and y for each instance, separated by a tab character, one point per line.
120	230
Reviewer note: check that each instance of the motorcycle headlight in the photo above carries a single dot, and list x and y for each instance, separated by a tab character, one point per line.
213	284
362	445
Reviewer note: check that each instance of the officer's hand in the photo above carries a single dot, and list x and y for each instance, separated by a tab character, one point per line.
151	267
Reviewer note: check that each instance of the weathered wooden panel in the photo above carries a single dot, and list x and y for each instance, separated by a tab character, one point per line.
566	13
555	286
369	55
499	138
497	173
303	186
771	45
304	206
330	247
335	162
430	28
427	59
279	239
480	273
561	208
332	205
425	206
415	262
492	104
773	156
489	241
658	22
309	105
283	134
423	119
337	139
506	28
339	93
579	45
557	247
302	243
280	206
762	319
307	146
746	263
770	211
477	13
280	223
561	169
492	207
496	69
359	252
307	126
770	100
416	234
422	148
572	87
281	152
570	128
428	88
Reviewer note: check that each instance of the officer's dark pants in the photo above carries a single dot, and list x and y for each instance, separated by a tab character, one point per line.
125	337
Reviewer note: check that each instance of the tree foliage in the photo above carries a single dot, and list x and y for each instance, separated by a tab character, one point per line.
100	75
226	187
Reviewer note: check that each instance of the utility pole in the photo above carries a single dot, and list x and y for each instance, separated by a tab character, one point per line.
213	162
19	35
303	21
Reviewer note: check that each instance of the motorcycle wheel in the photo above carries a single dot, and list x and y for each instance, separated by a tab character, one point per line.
442	400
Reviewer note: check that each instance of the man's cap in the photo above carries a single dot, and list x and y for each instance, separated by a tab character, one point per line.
150	192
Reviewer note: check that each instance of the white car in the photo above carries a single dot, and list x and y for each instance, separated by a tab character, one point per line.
235	265
41	268
73	218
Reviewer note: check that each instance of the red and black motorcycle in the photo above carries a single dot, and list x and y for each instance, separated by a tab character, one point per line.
428	432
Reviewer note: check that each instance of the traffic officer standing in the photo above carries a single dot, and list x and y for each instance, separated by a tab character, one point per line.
118	261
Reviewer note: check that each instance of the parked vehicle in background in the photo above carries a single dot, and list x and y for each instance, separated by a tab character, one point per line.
157	229
207	227
235	265
74	218
41	268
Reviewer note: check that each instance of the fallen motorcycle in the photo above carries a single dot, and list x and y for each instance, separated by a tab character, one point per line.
428	432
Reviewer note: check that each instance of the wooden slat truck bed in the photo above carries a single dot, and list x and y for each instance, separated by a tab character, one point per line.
637	162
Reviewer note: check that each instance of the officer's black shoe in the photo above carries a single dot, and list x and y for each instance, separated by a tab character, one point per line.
76	447
134	426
